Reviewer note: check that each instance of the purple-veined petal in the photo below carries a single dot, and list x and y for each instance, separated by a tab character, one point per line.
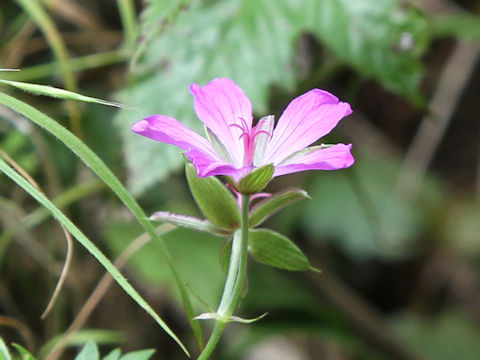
265	130
169	130
318	158
305	120
219	104
206	167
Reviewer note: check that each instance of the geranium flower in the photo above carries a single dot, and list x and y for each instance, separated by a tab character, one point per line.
234	147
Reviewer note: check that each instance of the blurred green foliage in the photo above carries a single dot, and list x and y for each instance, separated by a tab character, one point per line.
413	263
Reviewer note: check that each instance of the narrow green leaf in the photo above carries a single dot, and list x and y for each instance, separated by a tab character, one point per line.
190	222
271	248
269	206
214	199
98	166
24	353
256	181
138	355
57	93
119	278
4	353
88	352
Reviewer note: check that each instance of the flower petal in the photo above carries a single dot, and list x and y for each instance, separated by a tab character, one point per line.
207	167
330	158
264	133
171	131
219	104
305	120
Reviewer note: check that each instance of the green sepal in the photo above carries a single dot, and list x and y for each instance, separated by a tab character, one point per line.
271	248
190	222
215	201
269	206
256	180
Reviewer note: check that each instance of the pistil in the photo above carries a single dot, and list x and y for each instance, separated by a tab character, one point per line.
249	135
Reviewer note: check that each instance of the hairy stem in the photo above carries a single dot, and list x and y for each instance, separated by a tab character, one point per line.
234	283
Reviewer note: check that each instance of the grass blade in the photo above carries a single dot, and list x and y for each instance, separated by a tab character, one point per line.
57	93
47	26
97	166
129	21
77	233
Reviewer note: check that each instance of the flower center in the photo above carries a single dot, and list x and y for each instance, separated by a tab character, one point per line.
249	136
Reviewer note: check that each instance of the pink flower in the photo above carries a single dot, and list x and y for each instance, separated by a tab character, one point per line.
234	147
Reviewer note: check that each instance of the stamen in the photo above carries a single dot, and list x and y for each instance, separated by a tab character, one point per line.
249	135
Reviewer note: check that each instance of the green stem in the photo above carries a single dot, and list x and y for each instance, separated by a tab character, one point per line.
234	284
77	64
129	21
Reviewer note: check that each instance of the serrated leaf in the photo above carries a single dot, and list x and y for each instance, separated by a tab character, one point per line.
256	180
271	248
214	199
24	353
269	206
190	222
384	39
155	17
88	352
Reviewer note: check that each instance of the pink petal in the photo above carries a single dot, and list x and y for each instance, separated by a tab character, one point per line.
265	128
198	149
331	158
206	167
219	104
305	120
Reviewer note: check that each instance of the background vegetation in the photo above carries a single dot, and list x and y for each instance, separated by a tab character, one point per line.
397	236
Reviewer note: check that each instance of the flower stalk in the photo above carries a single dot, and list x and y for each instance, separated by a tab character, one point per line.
235	281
